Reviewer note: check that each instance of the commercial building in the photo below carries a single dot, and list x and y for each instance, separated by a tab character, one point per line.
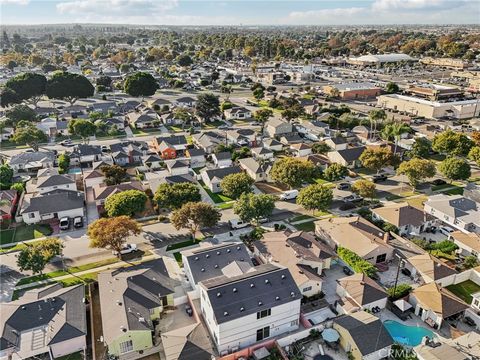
445	62
353	90
367	60
464	109
435	92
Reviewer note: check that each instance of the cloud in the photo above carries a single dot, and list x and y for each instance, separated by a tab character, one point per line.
126	8
14	2
391	5
326	13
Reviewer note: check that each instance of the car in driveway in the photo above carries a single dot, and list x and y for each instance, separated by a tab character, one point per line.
64	223
238	223
67	143
446	230
343	186
78	222
127	249
438	182
352	198
379	177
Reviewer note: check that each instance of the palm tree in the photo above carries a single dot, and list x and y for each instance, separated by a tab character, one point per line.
394	131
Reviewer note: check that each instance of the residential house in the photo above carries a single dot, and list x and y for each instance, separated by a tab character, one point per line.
237	113
102	191
49	183
289	139
363	335
132	300
208	140
213	177
433	304
347	157
248	305
196	157
337	143
468	244
300	150
258	170
208	261
8	203
301	253
185	101
272	144
51	205
152	162
114	121
262	153
128	152
408	219
455	210
472	191
356	234
93	177
276	128
170	118
53	127
170	147
50	321
242	137
358	292
178	167
222	159
426	268
142	119
86	155
32	162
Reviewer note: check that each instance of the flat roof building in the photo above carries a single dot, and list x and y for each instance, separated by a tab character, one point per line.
379	59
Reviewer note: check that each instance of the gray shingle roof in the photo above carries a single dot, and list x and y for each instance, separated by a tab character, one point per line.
55	201
55	180
266	287
222	172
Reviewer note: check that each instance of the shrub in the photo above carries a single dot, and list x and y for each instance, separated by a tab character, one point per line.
400	291
356	262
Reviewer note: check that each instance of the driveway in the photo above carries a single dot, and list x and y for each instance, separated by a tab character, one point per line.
329	285
92	211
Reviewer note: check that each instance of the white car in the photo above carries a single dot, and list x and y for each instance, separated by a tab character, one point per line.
446	230
289	195
127	249
64	223
238	223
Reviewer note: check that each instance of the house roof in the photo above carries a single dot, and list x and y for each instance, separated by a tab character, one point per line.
86	150
6	201
172	140
254	165
60	310
209	262
102	192
195	152
127	295
430	267
233	297
351	154
471	240
261	151
53	201
54	180
366	330
224	155
354	233
401	214
38	156
362	289
439	300
220	173
456	206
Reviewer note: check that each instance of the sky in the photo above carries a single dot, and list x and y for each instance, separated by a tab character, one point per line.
240	12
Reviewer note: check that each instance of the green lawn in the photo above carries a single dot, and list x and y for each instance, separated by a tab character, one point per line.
227	205
183	244
174	128
306	226
464	290
75	280
212	125
24	232
300	218
417	201
178	257
455	191
216	197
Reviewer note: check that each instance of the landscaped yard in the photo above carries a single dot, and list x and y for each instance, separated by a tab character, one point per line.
300	218
216	197
464	290
24	232
227	205
306	226
417	201
183	244
178	258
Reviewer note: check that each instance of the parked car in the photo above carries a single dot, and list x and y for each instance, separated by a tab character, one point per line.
438	182
343	186
352	198
78	222
65	223
105	148
127	249
289	195
446	230
237	223
347	271
67	143
379	177
406	272
188	310
469	321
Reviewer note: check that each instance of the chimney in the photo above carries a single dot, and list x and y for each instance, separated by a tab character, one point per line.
386	237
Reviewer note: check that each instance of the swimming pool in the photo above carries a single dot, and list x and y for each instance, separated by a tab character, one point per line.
407	335
75	171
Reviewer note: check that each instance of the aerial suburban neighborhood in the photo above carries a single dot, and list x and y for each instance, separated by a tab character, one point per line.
231	189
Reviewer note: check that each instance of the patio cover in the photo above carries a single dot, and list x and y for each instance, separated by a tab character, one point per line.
402	305
330	335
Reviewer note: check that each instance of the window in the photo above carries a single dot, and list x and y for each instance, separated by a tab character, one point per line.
308	288
263	333
264	313
294	323
381	258
126	346
31	215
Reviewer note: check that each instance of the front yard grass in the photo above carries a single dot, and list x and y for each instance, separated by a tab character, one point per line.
464	290
183	244
216	197
226	205
306	226
300	218
178	258
24	232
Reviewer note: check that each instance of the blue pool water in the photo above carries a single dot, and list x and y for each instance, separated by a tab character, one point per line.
407	335
75	171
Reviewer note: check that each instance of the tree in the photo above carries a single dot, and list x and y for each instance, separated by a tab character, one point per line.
262	117
320	148
234	185
376	116
376	159
417	170
364	188
393	132
335	171
127	202
207	106
454	168
6	176
112	233
105	81
315	197
392	88
140	84
68	86
27	133
250	207
292	171
421	148
184	60
8	97
174	196
258	93
114	174
64	163
83	128
194	216
19	113
474	154
476	137
28	86
452	143
34	257
18	187
470	262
